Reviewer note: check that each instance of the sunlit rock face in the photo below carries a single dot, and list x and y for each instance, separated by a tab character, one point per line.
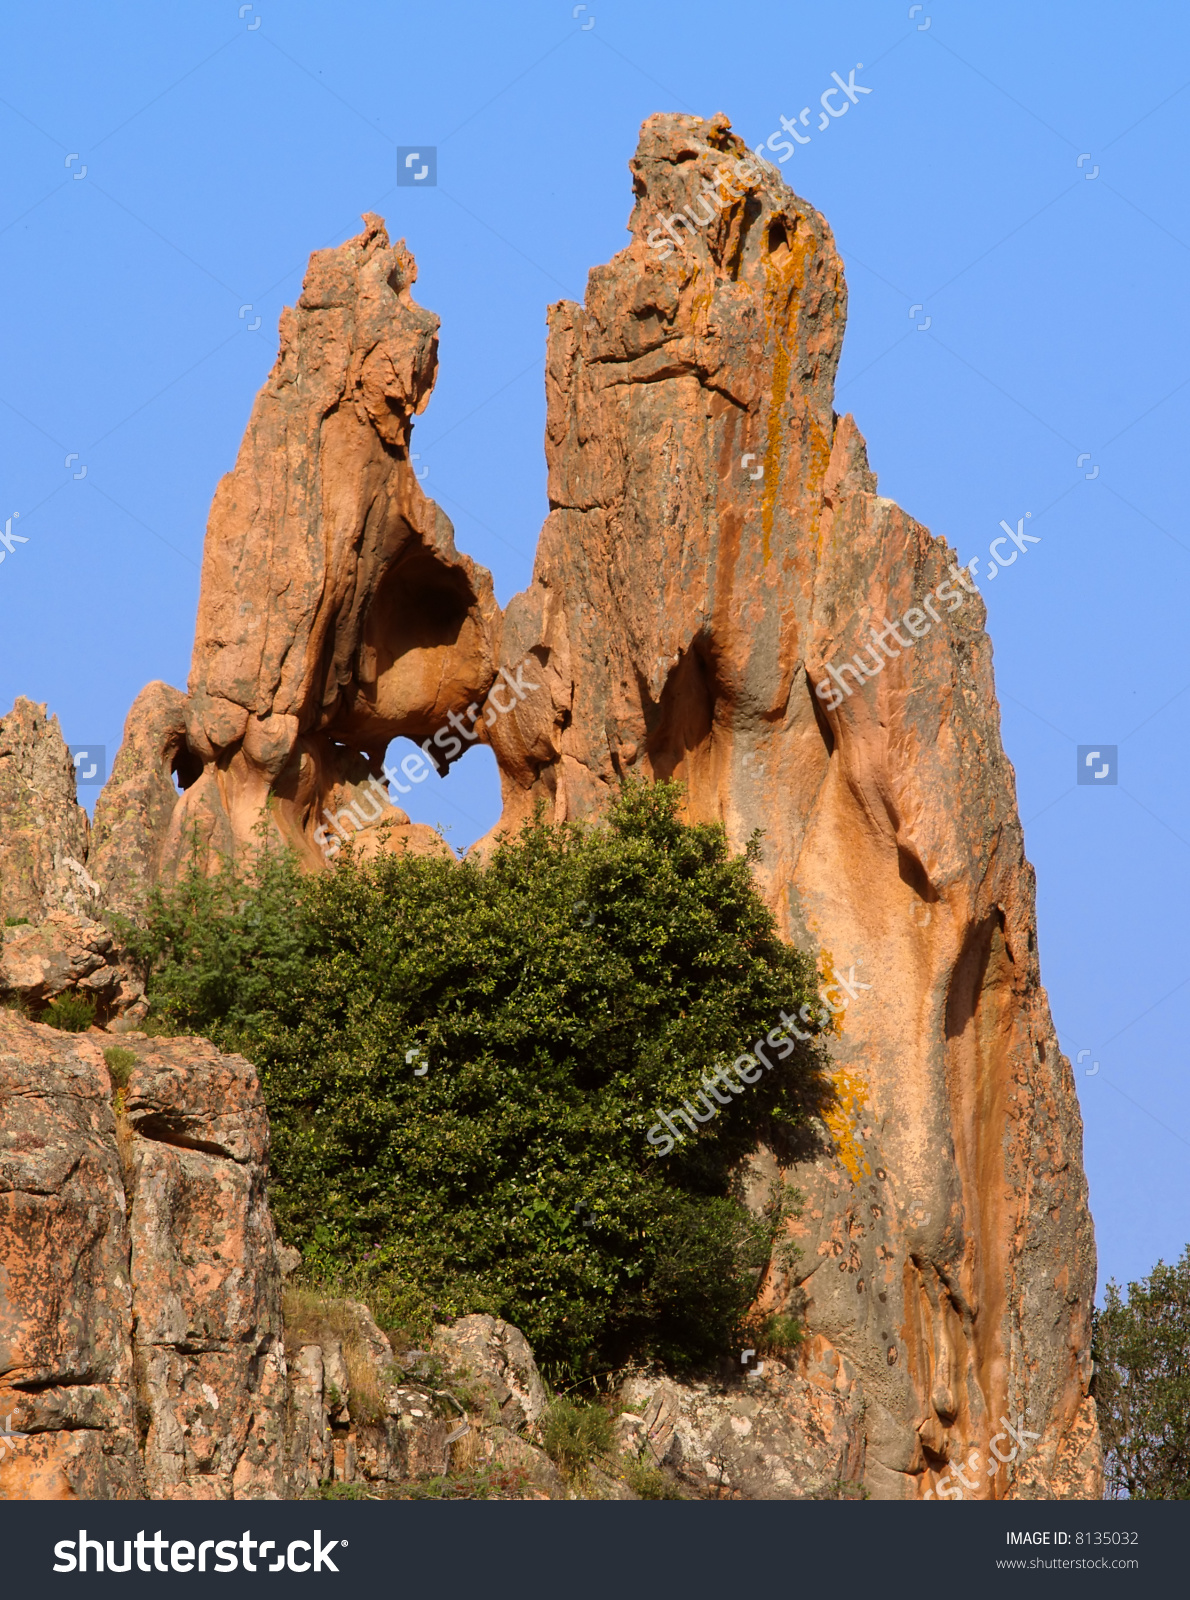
335	613
715	546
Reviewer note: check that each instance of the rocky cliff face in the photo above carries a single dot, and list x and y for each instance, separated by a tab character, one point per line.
144	1352
720	595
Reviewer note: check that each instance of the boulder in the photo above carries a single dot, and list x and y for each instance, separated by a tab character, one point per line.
70	954
777	1432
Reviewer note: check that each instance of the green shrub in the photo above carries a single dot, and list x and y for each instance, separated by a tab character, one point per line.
119	1065
16	922
648	1481
575	1434
775	1335
72	1013
560	997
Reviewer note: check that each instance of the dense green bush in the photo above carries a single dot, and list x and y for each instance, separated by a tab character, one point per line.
462	1062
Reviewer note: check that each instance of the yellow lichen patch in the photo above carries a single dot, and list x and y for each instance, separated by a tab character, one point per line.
844	1120
820	460
700	301
830	979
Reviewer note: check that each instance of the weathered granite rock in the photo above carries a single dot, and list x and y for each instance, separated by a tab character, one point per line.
70	954
335	612
776	1434
495	1360
210	1365
65	1295
358	1416
133	812
715	544
140	1302
44	832
716	597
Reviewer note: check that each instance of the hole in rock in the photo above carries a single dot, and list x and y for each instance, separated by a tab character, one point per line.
186	769
466	802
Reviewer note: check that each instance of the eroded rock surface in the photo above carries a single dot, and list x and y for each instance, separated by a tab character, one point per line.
133	812
140	1309
210	1366
335	613
65	1293
780	1433
44	832
361	1415
68	954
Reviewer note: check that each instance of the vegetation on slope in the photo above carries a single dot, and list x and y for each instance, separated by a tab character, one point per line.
462	1063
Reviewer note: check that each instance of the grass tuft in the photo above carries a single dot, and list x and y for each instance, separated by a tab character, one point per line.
119	1065
312	1317
575	1434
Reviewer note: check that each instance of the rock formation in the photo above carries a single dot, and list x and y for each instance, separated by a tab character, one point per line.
134	809
65	954
715	545
335	613
720	595
140	1308
44	832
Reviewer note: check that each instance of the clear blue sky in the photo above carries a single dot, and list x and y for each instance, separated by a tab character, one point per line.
218	154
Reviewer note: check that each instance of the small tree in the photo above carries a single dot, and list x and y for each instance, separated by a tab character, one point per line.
1142	1385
